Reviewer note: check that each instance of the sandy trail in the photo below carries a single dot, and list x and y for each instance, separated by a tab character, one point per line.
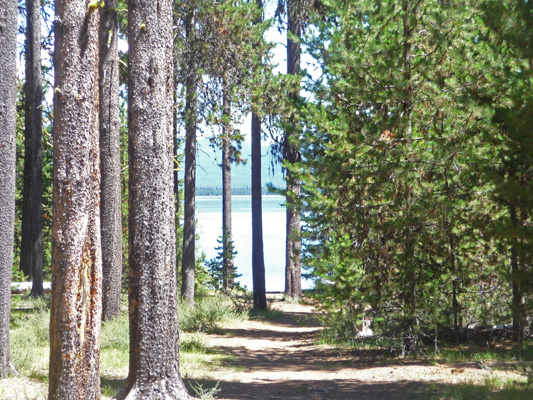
279	360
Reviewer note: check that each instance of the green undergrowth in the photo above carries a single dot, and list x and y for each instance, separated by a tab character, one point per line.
30	335
266	315
522	353
210	311
203	390
342	333
492	389
29	340
492	356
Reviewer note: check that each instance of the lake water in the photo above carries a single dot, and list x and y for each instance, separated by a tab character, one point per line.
209	215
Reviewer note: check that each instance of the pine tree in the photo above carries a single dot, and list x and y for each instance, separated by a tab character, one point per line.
8	100
219	42
31	252
507	166
228	266
258	258
385	151
190	70
296	15
110	205
154	335
76	308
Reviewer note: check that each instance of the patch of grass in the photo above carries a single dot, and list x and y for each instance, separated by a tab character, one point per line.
29	339
207	313
114	350
266	315
290	300
199	365
493	389
17	387
199	361
111	387
205	393
194	343
29	336
472	353
115	333
23	302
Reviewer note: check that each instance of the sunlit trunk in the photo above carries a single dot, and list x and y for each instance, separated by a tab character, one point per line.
76	308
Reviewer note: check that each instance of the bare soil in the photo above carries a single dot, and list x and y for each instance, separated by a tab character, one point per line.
279	359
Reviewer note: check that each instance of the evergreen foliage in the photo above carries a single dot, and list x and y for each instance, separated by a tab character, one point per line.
215	269
413	147
507	166
400	145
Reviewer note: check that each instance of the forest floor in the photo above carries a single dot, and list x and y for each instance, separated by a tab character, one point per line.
278	358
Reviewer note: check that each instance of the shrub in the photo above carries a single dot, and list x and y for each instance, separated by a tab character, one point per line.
208	312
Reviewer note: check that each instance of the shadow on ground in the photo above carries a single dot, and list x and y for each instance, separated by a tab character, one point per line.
303	355
356	390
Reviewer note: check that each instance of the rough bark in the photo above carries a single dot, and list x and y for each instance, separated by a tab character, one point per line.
227	235
8	69
31	252
293	262
258	258
76	307
154	345
189	227
111	205
176	132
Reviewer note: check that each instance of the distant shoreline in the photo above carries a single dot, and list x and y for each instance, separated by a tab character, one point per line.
239	195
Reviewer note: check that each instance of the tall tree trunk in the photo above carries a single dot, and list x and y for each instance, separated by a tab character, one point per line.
516	306
8	116
31	252
455	285
227	234
293	261
189	227
411	333
457	318
76	308
154	342
175	128
453	267
258	258
407	30
111	204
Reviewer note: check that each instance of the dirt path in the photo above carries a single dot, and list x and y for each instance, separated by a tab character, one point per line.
279	360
